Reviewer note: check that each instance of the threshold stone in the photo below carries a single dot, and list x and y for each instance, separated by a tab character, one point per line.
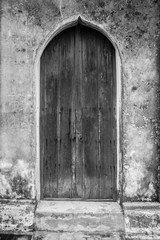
103	218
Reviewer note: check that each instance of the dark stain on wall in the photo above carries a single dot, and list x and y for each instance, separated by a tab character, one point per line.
36	10
99	10
19	186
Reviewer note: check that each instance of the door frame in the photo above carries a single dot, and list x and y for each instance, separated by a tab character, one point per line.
36	85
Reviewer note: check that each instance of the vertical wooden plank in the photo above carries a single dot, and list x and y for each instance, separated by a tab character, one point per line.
48	124
73	121
114	124
42	118
105	123
78	113
90	114
106	112
65	80
58	114
99	113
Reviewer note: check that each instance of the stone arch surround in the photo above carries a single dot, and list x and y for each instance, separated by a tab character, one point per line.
62	26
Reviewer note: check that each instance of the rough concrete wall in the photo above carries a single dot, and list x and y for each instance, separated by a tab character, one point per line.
16	216
142	220
134	26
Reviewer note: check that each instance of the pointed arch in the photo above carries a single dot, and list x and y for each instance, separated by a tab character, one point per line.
63	26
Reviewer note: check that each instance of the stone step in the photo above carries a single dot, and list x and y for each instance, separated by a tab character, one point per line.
75	236
94	218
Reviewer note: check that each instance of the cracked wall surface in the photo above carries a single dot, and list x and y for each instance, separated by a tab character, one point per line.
16	217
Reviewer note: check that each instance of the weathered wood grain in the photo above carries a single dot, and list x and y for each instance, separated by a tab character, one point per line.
90	114
78	116
66	69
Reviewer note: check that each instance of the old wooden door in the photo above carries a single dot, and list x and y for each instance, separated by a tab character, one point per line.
78	116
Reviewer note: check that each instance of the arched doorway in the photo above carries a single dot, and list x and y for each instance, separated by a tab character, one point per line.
78	135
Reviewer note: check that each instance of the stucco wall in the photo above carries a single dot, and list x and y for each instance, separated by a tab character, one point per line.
134	26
